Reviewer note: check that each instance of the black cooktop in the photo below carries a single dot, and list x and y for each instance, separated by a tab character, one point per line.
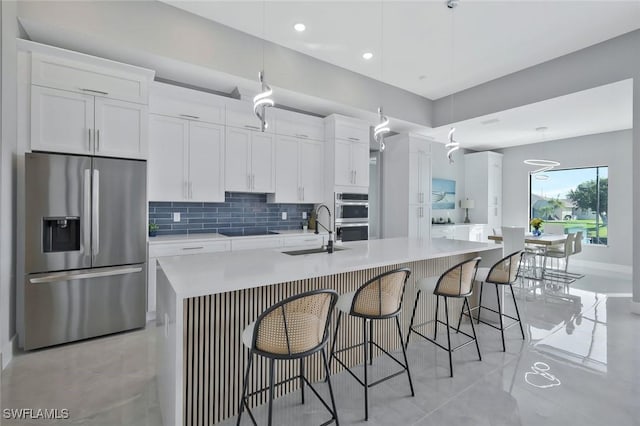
246	233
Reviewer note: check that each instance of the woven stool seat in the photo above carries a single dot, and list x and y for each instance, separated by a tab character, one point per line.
380	298
292	329
456	282
503	273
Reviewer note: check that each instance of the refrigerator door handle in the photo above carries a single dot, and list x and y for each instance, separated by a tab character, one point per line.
66	276
95	219
86	212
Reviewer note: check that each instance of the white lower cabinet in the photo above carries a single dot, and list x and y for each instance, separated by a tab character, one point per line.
176	249
186	160
466	232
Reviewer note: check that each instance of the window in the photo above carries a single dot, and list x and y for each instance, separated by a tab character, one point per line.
576	199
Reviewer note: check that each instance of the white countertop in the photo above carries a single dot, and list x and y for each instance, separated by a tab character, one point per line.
184	238
211	273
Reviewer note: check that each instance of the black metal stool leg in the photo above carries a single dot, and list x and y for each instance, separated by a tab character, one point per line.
435	327
460	319
370	342
413	316
517	310
473	328
335	336
480	302
244	389
328	373
404	354
271	387
302	378
504	347
364	364
446	311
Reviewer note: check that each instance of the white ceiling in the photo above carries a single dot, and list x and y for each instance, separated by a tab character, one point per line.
601	109
492	38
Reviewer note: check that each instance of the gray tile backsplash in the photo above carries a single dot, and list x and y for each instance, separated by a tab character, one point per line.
241	212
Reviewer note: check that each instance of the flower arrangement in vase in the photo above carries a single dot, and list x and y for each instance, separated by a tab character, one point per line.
536	223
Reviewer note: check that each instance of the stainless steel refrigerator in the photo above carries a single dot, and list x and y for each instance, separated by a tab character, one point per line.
85	248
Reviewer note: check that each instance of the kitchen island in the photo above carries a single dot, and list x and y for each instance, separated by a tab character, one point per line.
205	301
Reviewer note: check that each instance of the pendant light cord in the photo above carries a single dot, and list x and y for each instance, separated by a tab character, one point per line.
453	58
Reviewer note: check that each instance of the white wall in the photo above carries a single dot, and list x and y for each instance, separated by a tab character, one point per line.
605	149
442	169
8	179
152	27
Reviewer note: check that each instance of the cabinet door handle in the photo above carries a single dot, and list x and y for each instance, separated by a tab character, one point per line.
300	135
192	248
100	92
251	127
353	139
190	190
355	177
98	140
303	193
248	181
89	141
195	117
253	181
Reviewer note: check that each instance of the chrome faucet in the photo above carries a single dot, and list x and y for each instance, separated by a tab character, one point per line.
329	230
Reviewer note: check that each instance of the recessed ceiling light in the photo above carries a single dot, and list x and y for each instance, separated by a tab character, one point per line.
367	55
541	129
422	77
300	27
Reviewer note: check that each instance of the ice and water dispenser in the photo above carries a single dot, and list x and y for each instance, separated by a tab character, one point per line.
61	234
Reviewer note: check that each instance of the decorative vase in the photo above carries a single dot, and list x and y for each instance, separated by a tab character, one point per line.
537	232
153	233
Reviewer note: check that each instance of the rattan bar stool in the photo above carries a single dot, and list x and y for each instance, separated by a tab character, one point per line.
504	272
292	329
379	298
457	282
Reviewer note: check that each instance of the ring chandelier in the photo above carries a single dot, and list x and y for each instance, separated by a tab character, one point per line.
544	165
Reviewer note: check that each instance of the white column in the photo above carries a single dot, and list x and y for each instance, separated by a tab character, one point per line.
635	304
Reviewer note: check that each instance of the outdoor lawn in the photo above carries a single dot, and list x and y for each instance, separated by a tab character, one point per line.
587	224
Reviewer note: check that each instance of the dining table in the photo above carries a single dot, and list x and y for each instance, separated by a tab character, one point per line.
544	241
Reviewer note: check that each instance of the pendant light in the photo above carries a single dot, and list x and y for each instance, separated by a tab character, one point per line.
263	99
452	145
382	128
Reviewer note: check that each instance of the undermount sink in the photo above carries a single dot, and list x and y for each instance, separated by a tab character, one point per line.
311	251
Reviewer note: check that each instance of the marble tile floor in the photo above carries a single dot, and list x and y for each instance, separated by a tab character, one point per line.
578	366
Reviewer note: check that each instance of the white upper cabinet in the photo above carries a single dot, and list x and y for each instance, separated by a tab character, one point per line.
249	161
483	185
289	123
299	171
240	114
168	158
342	163
61	121
287	170
120	128
310	160
186	160
348	153
406	180
81	104
174	101
90	75
263	176
206	162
